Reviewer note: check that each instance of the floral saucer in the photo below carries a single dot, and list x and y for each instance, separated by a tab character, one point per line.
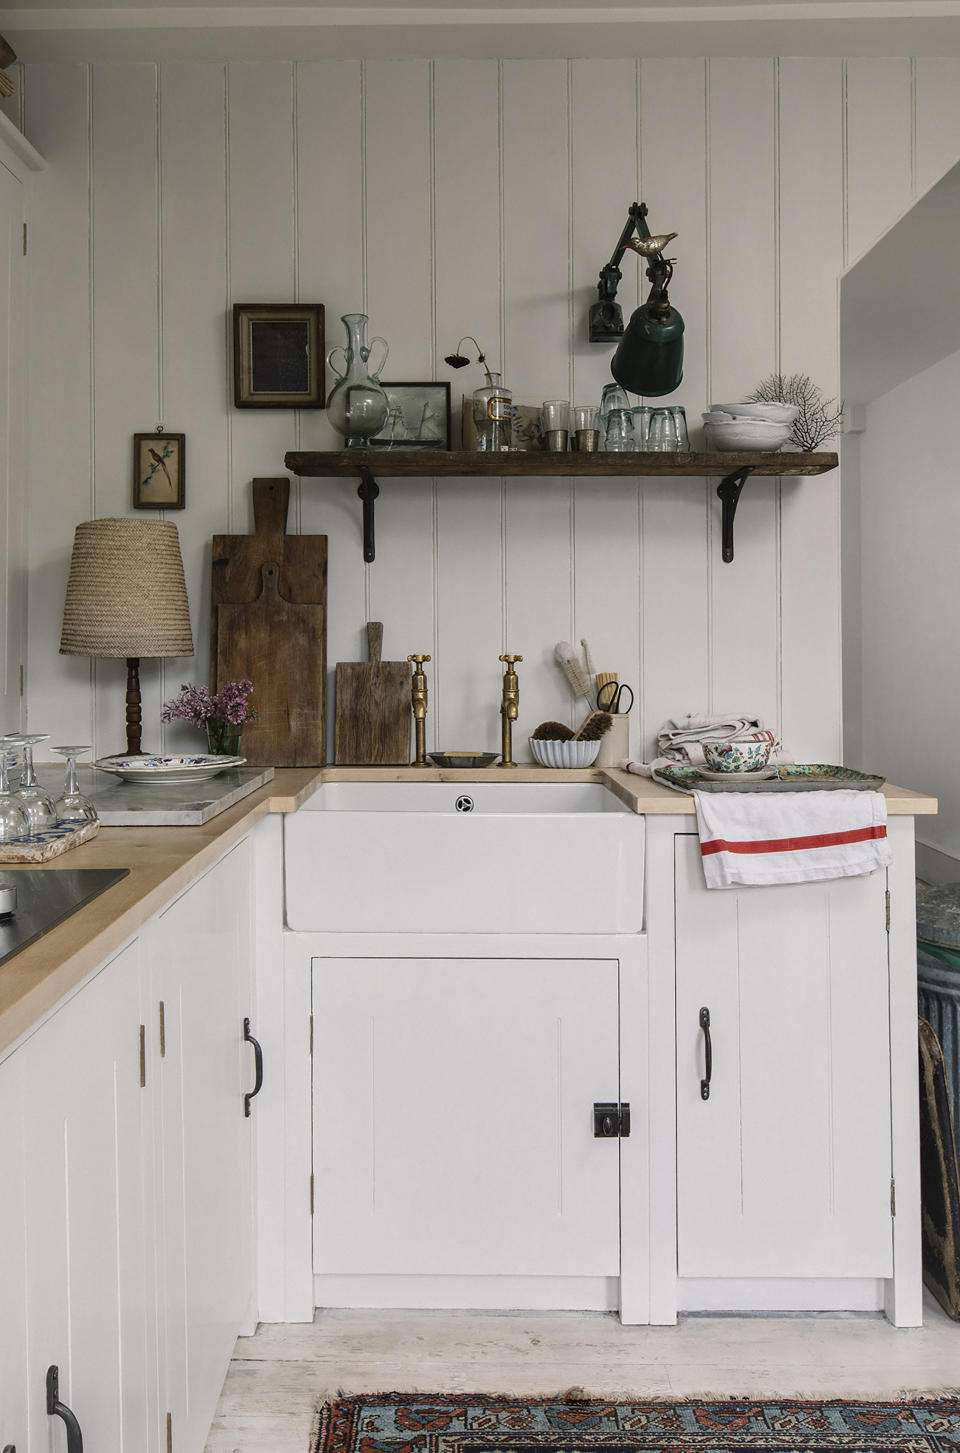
157	770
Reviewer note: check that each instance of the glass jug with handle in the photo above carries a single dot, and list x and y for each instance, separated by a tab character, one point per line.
357	406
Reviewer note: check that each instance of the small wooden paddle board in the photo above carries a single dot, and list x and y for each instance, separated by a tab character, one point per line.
373	708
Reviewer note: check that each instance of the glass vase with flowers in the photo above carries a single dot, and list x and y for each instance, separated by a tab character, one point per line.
221	714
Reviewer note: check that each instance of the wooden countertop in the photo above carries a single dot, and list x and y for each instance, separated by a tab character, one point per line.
164	860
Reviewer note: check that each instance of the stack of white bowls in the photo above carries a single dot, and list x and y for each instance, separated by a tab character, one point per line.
748	426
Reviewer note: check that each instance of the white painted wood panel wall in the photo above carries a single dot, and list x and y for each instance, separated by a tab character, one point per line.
449	197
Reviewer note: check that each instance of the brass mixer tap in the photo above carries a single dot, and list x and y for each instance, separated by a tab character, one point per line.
509	710
419	695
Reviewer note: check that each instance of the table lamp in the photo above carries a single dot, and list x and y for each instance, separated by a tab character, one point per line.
127	598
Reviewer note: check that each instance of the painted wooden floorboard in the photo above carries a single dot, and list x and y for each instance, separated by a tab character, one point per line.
277	1377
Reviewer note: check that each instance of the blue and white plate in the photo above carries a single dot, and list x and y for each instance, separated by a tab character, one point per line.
157	770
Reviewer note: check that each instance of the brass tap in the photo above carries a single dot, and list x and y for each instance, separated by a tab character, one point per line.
419	694
509	710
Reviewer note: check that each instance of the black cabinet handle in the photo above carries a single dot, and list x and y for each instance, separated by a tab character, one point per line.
257	1069
708	1049
57	1409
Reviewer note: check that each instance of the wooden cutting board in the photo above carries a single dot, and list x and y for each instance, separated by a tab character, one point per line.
239	559
374	709
281	647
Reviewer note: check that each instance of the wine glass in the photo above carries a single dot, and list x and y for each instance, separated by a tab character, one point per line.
71	805
13	819
34	799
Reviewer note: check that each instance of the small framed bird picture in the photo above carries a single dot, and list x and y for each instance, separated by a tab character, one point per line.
158	471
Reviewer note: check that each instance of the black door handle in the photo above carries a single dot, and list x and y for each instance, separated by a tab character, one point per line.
57	1409
257	1072
708	1050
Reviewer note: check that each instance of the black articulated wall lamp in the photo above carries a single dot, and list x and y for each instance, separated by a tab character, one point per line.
649	357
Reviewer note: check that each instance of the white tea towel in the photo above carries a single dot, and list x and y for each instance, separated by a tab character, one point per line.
680	738
790	837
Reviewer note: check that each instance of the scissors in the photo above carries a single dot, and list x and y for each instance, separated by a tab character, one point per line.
610	697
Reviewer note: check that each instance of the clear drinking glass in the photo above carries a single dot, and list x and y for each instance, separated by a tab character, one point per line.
71	805
34	799
620	436
555	424
663	431
586	424
641	425
13	819
680	423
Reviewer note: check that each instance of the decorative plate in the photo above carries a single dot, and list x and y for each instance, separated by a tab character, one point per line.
790	777
157	770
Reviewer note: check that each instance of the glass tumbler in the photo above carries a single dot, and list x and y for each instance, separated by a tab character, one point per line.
663	435
620	436
641	425
586	423
555	424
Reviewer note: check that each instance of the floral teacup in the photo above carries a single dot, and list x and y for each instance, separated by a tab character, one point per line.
736	756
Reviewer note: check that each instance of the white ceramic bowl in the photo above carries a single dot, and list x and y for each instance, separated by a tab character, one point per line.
551	753
770	413
745	434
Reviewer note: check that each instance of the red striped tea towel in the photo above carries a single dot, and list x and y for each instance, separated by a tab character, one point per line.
790	837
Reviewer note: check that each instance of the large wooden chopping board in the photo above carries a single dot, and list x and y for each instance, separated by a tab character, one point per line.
280	646
292	727
374	708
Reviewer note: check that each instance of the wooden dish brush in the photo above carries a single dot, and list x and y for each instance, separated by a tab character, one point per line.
593	727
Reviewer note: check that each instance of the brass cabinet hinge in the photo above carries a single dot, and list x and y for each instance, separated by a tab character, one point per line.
163	1031
893	1197
169	1433
143	1056
887	897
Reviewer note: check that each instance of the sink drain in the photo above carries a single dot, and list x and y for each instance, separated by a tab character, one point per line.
464	803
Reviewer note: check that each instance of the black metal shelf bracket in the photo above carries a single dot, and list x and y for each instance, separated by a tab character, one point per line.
729	490
368	490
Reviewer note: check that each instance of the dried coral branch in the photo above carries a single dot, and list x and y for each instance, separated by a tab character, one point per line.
818	418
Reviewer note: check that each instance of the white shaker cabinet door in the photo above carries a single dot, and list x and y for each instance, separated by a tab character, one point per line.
13	1291
90	1298
453	1117
784	1171
200	972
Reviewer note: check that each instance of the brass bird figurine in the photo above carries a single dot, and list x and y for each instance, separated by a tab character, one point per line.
650	246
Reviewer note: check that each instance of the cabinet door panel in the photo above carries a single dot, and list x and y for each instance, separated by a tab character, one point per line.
13	1291
785	1170
452	1137
199	948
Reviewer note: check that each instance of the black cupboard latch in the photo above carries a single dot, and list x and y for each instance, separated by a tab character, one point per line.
611	1121
257	1067
57	1409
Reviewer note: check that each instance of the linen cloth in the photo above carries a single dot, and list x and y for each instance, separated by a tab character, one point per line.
790	837
680	739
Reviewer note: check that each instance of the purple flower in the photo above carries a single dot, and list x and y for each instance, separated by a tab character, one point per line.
197	705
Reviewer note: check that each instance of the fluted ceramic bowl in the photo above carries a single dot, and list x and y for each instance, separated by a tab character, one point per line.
551	753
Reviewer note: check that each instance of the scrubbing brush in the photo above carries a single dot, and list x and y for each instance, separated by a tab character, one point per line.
594	726
552	731
574	672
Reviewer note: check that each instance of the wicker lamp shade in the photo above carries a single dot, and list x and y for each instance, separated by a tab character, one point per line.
126	594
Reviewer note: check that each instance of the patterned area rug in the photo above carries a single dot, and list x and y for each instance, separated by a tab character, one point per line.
421	1423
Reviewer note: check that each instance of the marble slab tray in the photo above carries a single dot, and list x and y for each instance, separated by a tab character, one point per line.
174	804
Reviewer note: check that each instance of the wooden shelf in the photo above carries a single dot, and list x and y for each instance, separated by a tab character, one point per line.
442	463
733	468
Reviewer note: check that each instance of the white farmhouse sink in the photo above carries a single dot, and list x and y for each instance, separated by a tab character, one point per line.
476	857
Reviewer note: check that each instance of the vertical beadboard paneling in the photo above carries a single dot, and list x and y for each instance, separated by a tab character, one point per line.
879	147
59	421
743	348
261	263
465	676
536	206
937	80
811	205
676	566
126	334
194	294
398	101
603	123
330	214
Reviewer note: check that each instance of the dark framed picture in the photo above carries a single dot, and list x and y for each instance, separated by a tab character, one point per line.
418	416
278	355
158	471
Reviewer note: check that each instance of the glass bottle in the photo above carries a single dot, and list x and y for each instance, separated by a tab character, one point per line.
357	406
492	413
